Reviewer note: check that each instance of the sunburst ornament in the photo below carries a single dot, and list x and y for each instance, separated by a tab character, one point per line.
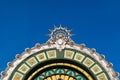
60	36
60	32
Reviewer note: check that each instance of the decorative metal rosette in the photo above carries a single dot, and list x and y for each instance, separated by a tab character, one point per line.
59	59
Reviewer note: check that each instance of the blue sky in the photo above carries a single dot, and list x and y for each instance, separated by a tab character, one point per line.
26	22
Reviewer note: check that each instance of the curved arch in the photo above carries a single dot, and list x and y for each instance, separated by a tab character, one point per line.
56	64
58	48
86	62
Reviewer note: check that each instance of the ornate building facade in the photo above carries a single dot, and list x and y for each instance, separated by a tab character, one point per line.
60	58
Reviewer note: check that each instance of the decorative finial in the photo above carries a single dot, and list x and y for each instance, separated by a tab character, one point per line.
60	36
60	31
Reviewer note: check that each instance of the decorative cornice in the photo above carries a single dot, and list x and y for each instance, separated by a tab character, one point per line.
60	40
